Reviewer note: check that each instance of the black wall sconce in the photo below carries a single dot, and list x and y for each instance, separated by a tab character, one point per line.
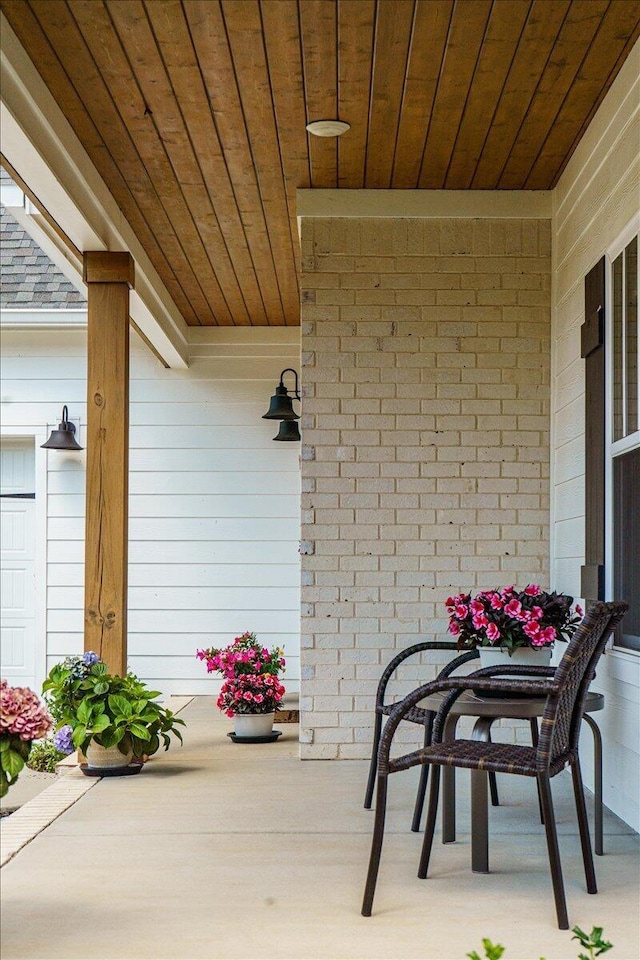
281	408
64	437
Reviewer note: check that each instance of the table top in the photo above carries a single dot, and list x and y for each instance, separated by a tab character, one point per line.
469	705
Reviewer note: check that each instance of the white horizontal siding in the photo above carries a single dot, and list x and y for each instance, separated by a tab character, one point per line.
214	503
595	199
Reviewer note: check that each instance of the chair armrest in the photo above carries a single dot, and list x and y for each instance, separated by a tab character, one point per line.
411	651
488	678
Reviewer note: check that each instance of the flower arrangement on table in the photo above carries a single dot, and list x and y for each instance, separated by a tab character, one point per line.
88	704
510	618
23	719
250	672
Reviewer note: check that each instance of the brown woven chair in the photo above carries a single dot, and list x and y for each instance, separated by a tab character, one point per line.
557	746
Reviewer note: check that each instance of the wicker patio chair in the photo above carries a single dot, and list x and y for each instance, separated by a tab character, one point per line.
557	746
417	715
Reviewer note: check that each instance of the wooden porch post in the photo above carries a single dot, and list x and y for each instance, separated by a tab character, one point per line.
108	276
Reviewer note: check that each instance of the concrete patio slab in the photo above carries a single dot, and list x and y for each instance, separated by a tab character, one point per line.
219	850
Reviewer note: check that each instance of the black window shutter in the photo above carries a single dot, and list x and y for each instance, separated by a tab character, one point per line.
593	352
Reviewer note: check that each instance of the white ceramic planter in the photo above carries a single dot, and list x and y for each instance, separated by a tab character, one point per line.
107	758
253	724
522	657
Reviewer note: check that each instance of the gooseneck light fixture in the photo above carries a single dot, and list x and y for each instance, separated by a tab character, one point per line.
281	408
64	437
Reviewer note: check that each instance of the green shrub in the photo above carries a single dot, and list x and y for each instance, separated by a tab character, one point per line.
44	756
592	942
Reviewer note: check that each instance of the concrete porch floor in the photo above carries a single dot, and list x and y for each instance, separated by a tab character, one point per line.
221	850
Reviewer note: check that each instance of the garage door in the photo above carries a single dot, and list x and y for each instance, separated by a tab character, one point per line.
17	562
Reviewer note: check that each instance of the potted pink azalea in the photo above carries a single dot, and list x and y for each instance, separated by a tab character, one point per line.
506	623
23	719
251	692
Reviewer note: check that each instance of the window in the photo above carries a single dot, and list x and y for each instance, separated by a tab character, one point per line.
624	442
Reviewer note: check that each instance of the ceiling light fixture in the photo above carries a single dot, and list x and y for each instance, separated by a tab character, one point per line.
328	128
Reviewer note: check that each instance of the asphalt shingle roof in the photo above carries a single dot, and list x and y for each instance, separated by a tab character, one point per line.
27	276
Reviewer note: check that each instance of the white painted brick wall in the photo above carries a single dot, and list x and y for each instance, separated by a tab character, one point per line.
426	445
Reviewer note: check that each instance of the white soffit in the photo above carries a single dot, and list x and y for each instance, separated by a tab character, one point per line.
40	145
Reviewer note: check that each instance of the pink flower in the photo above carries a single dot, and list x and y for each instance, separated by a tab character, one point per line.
476	606
537	613
548	634
496	602
493	633
533	590
513	609
579	610
454	628
532	629
480	620
461	611
22	713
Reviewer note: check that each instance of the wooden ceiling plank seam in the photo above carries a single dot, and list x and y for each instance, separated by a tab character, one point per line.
424	67
494	64
241	18
319	54
266	255
356	23
395	19
289	193
587	120
577	32
195	122
97	148
439	82
145	188
482	47
467	35
607	40
539	37
566	95
213	51
163	145
281	31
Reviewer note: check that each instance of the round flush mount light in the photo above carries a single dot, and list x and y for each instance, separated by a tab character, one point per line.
328	128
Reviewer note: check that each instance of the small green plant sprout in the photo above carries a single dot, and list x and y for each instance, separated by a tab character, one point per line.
492	951
592	942
44	757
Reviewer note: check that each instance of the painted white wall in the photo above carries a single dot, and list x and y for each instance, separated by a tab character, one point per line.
214	503
596	197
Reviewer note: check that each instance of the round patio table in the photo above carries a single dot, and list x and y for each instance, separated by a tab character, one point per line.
487	710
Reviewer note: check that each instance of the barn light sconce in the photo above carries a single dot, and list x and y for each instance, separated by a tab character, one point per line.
281	408
64	437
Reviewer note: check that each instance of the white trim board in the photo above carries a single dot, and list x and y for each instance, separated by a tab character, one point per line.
427	204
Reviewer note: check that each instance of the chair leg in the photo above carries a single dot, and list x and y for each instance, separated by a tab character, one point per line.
376	847
533	724
597	785
583	825
422	784
430	826
377	729
553	850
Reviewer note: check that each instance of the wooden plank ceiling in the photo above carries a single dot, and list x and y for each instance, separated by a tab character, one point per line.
194	113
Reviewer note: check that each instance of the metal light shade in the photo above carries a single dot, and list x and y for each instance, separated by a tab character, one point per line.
288	431
281	405
64	437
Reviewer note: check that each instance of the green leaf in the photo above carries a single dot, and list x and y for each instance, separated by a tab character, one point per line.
5	744
101	723
84	712
12	762
139	731
101	687
120	705
79	735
